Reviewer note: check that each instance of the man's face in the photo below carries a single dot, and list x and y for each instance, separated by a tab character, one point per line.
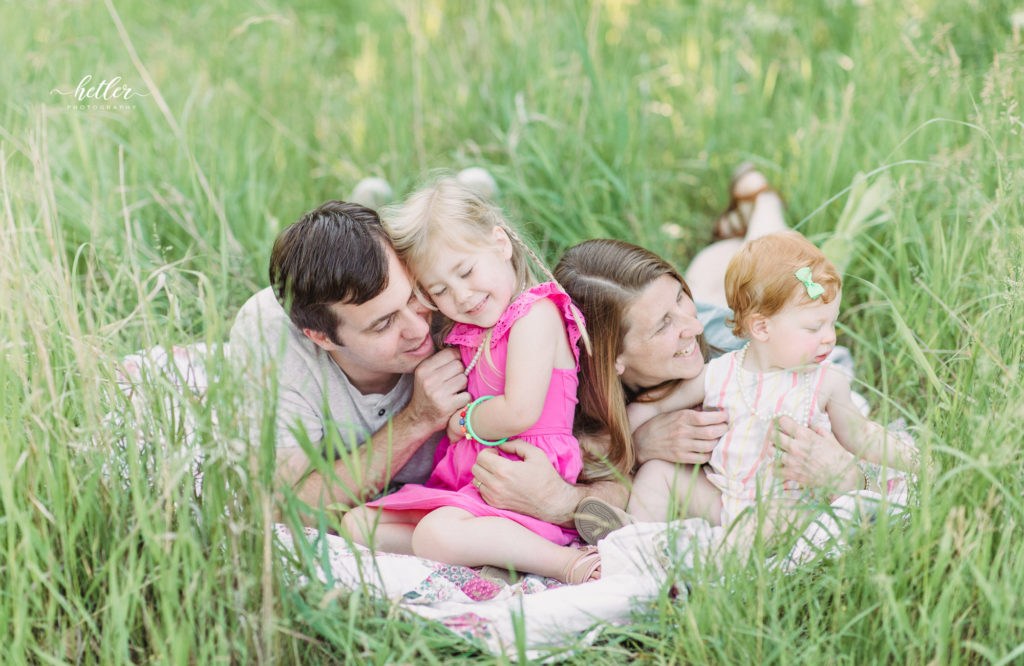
386	336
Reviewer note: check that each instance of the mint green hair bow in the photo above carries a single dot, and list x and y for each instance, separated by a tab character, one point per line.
813	288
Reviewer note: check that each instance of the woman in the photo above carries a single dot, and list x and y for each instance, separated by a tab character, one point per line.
647	335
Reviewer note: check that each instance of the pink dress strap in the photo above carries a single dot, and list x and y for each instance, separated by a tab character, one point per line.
471	335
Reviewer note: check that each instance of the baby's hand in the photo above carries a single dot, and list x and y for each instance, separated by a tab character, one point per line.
454	428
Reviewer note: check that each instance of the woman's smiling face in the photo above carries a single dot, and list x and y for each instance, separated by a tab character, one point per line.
661	336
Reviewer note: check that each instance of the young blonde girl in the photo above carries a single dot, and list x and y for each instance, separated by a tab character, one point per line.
518	341
785	298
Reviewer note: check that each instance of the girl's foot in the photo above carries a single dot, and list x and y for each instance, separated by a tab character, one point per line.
585	568
595	519
746	184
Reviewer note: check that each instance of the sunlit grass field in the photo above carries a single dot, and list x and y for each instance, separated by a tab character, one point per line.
129	223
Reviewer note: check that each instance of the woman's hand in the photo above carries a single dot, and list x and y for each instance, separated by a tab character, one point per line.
683	436
814	458
529	486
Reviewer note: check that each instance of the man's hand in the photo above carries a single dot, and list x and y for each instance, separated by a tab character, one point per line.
683	436
439	389
529	486
814	458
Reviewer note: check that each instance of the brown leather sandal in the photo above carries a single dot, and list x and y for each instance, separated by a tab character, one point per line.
594	519
733	221
585	568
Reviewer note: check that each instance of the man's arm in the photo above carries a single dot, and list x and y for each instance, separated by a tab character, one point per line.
438	390
357	474
814	458
533	487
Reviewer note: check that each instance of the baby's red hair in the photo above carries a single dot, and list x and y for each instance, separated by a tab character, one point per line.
761	277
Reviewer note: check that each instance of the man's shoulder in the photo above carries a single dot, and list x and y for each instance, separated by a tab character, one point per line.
260	310
261	324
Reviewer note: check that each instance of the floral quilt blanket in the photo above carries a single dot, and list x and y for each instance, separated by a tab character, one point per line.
503	614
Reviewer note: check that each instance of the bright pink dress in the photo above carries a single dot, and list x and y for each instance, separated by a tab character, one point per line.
451	482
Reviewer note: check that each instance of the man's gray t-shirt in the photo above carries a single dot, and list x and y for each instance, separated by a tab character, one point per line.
313	392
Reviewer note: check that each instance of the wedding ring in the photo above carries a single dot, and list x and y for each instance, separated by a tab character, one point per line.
477	484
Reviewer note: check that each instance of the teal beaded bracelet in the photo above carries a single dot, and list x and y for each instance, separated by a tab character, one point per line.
467	427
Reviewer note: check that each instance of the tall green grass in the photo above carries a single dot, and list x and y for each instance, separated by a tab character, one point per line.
124	229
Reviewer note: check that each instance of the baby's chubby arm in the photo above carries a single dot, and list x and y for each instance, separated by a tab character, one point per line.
688	394
861	436
537	344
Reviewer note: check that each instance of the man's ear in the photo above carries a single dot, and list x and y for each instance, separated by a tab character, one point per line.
758	326
503	241
320	339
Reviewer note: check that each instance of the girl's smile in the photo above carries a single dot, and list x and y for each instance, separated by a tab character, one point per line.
474	285
476	309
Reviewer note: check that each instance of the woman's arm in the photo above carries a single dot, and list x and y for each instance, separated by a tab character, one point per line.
688	393
683	436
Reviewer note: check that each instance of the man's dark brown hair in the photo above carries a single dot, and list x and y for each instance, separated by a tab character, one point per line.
334	253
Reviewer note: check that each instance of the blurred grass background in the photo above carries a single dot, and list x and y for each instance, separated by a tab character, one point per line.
126	228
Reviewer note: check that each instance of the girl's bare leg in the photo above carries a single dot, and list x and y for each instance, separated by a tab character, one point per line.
382	530
764	215
664	490
458	537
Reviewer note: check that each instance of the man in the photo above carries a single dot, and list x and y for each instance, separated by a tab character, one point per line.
353	356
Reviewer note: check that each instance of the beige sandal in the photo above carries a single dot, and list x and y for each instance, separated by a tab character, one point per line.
585	568
733	221
595	519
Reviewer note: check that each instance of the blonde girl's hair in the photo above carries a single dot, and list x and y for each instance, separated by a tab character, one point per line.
761	277
604	277
448	214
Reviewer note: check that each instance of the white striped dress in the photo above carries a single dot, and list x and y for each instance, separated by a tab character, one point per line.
740	464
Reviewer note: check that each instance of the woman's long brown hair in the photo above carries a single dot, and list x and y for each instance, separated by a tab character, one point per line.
604	277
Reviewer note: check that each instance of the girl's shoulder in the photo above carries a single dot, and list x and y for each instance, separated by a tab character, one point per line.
728	358
834	382
525	302
471	335
722	366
